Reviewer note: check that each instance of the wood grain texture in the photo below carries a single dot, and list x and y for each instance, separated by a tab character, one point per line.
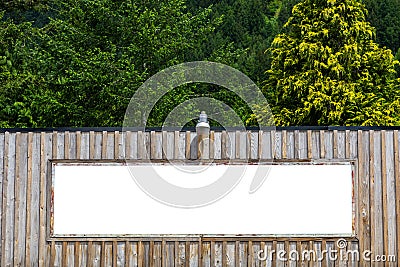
24	170
396	155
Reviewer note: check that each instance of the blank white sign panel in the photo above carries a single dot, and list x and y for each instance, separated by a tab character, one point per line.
295	199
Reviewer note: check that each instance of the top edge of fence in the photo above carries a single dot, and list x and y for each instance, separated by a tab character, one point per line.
193	129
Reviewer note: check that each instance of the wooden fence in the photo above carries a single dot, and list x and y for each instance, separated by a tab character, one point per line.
23	167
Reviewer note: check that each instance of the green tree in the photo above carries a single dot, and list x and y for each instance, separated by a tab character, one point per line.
327	69
384	15
85	64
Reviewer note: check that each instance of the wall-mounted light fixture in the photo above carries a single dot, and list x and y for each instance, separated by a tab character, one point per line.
203	131
203	127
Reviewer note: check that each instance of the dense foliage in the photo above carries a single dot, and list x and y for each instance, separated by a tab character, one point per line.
327	69
77	63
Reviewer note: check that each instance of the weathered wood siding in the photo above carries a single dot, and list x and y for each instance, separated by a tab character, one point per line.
24	169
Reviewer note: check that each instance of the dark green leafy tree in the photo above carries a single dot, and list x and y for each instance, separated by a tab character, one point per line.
327	69
83	66
384	15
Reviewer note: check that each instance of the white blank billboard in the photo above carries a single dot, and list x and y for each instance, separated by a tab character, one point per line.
295	199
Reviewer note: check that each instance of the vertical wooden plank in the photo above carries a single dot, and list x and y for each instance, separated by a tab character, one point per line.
128	141
77	253
176	253
131	145
378	216
104	145
176	145
110	143
4	223
363	194
273	144
33	176
218	254
152	144
146	145
231	145
91	144
384	192
52	253
187	145
78	144
341	145
250	253
2	156
168	144
329	144
28	197
303	148
347	142
224	254
212	253
237	144
253	145
260	144
108	254
206	254
217	145
128	251
230	250
19	208
200	252
391	194
164	145
237	254
206	147
103	255
290	145
114	253
397	186
90	254
299	250
309	144
117	144
199	147
278	145
54	145
163	253
194	146
324	248
140	145
296	144
157	255
66	144
224	146
322	143
82	254
263	247
272	257
266	145
187	253
335	144
169	254
42	213
64	254
284	144
69	260
372	189
212	145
